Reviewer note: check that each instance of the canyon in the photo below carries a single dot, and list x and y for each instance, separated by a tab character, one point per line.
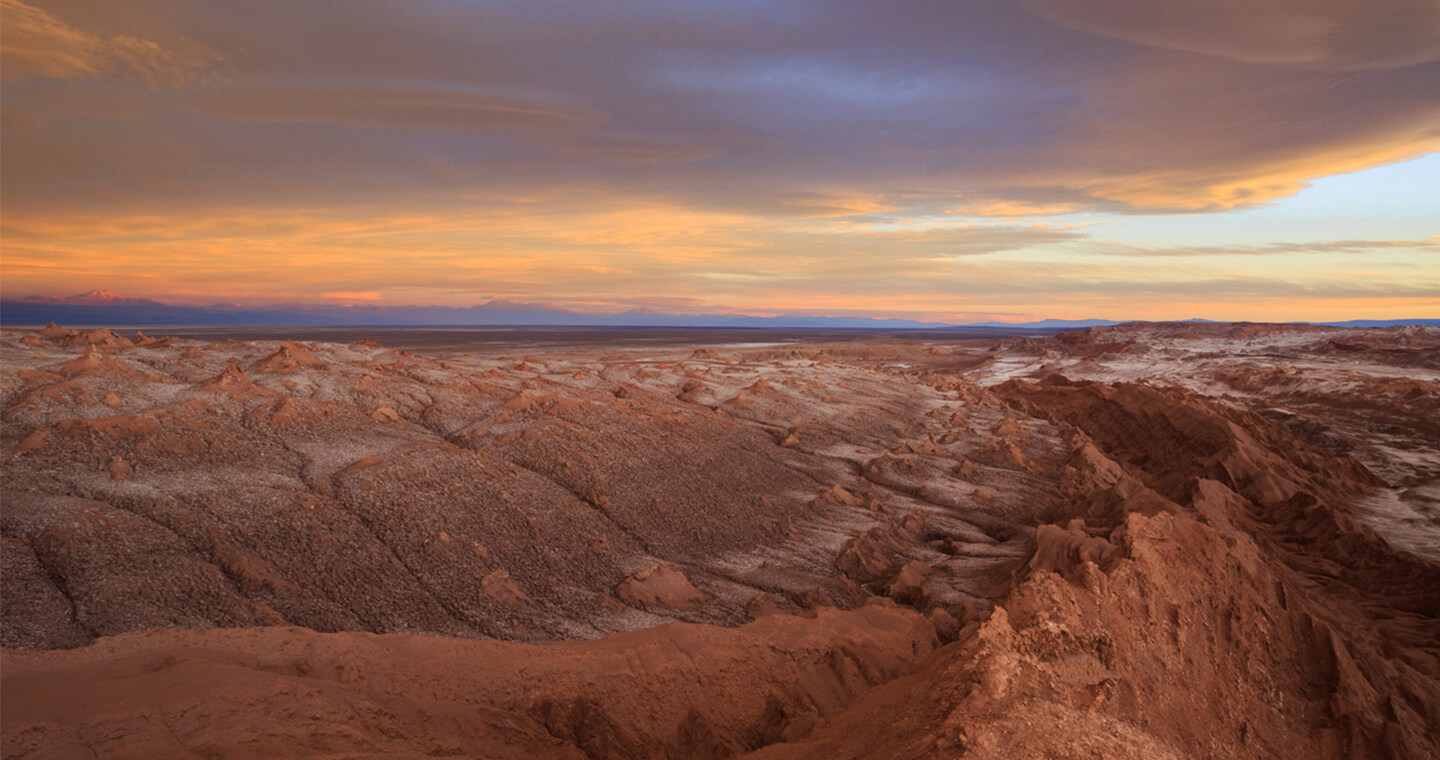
1141	540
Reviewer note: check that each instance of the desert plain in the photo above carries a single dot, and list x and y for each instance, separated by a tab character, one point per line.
1180	540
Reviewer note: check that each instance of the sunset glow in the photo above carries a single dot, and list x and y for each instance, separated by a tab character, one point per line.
934	161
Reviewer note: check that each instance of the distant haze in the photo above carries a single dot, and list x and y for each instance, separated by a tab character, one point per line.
111	308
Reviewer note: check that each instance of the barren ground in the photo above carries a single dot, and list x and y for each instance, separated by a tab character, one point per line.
1142	541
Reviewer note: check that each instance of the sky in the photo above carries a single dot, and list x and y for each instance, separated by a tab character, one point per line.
927	159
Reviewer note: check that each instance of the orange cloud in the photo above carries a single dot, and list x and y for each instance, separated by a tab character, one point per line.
34	43
635	255
870	158
1001	208
1269	179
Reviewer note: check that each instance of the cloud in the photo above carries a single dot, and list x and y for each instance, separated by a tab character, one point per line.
986	106
1431	245
996	207
669	258
626	251
1329	34
34	43
415	108
818	151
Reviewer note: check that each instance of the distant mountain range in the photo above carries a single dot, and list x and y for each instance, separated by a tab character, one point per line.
106	307
93	298
1051	324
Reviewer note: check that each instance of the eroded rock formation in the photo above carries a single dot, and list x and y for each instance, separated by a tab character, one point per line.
1163	541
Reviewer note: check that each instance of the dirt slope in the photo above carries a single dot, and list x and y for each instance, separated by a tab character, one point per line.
351	487
288	692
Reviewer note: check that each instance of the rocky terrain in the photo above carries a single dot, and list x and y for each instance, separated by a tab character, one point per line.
1141	541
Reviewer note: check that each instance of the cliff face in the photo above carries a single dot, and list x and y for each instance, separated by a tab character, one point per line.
937	559
1209	597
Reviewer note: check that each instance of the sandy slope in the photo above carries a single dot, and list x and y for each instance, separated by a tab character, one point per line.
276	692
